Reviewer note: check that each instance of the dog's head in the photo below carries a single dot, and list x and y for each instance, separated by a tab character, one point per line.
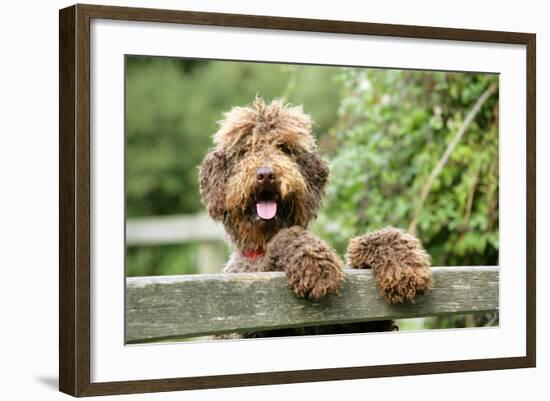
265	172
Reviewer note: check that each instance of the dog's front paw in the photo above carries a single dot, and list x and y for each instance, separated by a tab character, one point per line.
401	282
313	269
398	261
315	274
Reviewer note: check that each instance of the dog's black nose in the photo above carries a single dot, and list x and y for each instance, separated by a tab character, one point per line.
265	175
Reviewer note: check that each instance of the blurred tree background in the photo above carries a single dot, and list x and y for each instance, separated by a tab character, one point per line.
392	130
384	133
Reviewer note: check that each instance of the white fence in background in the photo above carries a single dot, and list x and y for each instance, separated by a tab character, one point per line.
178	229
175	229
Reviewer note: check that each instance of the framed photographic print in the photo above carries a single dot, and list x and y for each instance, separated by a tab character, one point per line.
250	200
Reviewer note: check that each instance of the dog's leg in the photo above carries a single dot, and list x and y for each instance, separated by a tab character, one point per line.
313	268
399	263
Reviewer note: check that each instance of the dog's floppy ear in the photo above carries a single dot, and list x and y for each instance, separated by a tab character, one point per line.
212	179
322	172
316	171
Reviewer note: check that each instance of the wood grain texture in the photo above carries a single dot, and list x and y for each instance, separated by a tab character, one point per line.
74	201
82	200
194	305
67	273
531	201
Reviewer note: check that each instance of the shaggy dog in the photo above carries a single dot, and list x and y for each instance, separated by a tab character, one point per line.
264	180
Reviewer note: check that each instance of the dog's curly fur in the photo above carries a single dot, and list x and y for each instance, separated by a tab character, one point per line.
398	261
278	137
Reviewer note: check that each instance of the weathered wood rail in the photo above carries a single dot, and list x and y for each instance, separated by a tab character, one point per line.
194	305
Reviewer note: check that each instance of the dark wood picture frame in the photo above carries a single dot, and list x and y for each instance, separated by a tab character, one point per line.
74	199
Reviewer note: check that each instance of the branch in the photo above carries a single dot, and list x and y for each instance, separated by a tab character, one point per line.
470	199
450	147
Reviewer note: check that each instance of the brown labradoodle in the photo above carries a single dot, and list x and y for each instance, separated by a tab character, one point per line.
264	180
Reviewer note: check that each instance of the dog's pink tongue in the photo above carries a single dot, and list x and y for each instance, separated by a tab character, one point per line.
266	209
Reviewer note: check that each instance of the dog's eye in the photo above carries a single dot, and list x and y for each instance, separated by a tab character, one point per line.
285	149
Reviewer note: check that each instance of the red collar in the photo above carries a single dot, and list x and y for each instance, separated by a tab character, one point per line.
253	254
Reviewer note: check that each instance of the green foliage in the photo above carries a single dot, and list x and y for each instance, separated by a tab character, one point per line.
393	127
166	259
